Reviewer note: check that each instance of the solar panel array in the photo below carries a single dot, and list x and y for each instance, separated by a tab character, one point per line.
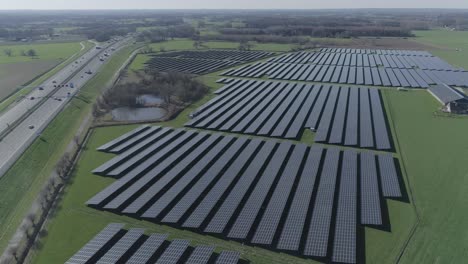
413	69
278	195
366	60
352	116
231	55
134	247
199	62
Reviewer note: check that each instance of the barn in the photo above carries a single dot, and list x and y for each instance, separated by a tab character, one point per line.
453	100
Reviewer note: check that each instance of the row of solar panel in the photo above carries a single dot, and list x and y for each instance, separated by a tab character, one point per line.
230	55
116	245
352	116
194	66
255	191
414	78
379	51
365	60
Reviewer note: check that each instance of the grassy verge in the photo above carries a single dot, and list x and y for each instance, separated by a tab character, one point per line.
42	78
21	184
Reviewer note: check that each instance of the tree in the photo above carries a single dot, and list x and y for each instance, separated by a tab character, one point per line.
32	53
63	165
8	52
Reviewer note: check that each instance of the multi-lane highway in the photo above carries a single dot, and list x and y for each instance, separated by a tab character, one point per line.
22	123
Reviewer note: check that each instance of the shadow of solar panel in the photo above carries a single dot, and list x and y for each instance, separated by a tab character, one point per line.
115	254
99	242
370	198
319	226
228	257
173	252
146	251
344	244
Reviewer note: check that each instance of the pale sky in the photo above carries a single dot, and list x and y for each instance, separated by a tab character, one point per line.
228	4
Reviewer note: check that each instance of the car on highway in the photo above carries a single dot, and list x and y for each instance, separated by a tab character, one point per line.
31	127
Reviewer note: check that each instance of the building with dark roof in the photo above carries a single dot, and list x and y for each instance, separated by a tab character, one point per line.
453	100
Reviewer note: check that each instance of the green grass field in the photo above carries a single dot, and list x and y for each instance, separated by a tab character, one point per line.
50	51
445	44
21	184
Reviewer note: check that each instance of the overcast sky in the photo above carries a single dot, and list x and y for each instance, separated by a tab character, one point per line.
227	4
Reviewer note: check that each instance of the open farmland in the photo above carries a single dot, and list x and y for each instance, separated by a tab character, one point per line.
13	75
48	51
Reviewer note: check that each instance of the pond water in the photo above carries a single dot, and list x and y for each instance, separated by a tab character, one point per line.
138	114
148	99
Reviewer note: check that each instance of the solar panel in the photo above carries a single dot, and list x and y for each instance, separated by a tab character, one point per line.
251	207
162	148
155	172
224	213
336	135
114	254
200	255
388	176
380	126
298	123
200	186
319	226
326	119
278	112
174	252
183	182
147	249
292	230
135	140
344	245
199	214
99	242
228	257
366	134
168	177
312	121
351	136
114	162
370	198
112	144
290	112
271	217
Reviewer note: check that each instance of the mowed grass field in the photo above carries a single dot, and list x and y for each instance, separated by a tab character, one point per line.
20	186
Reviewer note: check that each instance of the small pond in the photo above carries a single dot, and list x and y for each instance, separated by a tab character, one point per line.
138	114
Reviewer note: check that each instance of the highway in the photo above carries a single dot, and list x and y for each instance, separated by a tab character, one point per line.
22	123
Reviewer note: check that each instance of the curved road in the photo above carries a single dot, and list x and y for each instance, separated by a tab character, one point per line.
24	122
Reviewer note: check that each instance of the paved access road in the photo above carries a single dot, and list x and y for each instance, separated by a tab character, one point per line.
24	122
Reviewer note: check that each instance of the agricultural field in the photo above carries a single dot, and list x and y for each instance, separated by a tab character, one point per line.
49	56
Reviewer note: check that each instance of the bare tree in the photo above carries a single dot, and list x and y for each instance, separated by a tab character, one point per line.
63	165
77	140
32	53
13	252
8	52
31	217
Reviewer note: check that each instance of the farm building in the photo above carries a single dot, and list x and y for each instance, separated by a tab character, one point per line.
453	100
